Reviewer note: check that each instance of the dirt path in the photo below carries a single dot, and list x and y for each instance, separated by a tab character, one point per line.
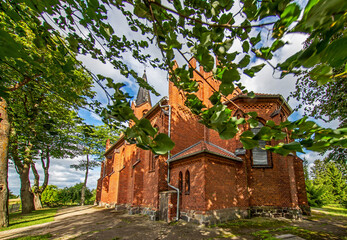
98	223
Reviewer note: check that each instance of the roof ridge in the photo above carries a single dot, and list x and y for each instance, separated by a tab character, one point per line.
222	149
186	149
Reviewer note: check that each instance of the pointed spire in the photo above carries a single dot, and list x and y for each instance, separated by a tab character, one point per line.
143	94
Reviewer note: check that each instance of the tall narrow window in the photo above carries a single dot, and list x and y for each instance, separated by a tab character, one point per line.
259	155
152	159
104	169
180	182
187	182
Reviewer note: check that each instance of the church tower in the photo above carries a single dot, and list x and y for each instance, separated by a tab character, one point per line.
142	103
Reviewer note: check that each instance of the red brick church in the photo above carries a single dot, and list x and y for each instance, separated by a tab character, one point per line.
204	179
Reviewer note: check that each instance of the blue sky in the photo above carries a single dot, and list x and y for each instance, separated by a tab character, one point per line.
264	82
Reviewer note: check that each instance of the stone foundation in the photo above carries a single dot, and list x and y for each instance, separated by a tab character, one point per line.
269	211
214	216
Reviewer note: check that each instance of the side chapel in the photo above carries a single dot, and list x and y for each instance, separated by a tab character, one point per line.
204	179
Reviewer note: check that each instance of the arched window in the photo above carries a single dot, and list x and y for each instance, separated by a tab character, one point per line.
152	159
180	182
144	112
187	182
259	155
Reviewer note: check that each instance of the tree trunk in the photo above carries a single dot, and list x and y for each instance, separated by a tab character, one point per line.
37	200
83	190
45	170
36	188
4	140
26	194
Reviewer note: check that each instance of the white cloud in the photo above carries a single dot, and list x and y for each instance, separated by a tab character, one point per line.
60	174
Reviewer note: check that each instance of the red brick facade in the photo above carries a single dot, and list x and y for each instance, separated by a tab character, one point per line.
220	182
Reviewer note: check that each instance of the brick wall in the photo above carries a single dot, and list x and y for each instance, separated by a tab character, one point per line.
196	166
226	184
300	181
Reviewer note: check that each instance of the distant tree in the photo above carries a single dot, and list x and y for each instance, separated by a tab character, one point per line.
12	196
56	138
306	169
73	194
92	143
315	194
329	179
50	196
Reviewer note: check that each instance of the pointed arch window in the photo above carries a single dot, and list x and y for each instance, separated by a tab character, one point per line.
260	157
187	183
180	182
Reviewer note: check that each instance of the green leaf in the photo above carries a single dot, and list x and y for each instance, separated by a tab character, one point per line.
293	146
227	85
248	141
245	46
207	62
321	74
253	122
141	10
231	75
265	134
252	114
162	144
146	126
228	132
245	61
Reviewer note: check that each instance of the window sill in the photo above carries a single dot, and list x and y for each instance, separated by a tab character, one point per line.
150	171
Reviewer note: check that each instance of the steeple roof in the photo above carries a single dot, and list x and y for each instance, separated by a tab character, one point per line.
143	93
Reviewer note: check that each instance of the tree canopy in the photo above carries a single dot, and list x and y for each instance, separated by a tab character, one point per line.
39	42
206	30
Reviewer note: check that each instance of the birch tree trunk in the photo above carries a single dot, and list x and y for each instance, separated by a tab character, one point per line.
83	190
4	141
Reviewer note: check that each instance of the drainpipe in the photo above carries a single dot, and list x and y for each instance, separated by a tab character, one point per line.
168	164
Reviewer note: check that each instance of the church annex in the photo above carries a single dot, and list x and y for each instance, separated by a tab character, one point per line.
205	179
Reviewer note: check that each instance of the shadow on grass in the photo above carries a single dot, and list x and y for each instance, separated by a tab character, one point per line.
18	220
38	237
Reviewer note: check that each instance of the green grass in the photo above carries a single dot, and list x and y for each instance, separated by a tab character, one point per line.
301	232
18	220
38	237
334	210
257	223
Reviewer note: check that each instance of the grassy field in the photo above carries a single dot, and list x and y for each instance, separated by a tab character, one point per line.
18	220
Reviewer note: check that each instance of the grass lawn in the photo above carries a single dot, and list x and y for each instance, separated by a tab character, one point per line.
335	210
18	220
325	223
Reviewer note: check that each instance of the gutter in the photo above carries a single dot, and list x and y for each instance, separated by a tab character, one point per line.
168	163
